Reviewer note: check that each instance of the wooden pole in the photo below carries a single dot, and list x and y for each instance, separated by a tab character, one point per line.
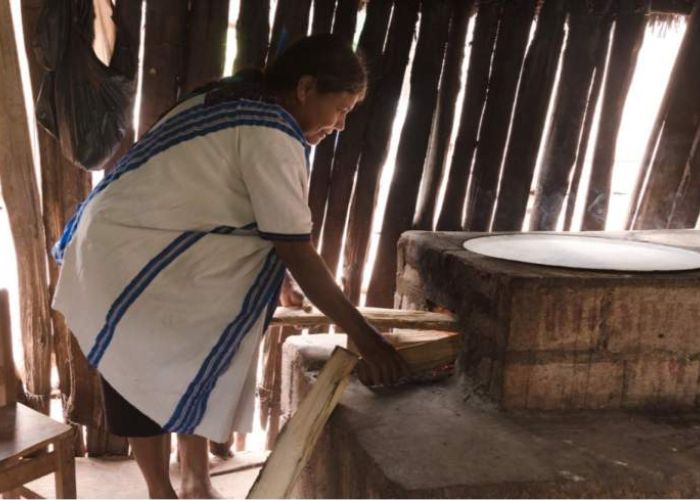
63	186
206	44
350	141
163	60
686	208
593	96
529	118
511	43
485	30
291	23
252	33
323	16
444	117
376	142
21	196
413	145
589	25
680	116
630	25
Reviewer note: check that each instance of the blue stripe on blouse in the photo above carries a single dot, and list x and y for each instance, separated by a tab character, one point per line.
194	122
190	409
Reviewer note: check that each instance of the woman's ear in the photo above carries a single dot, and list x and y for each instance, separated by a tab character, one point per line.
305	86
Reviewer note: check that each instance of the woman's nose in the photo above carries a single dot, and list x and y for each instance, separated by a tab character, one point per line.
340	123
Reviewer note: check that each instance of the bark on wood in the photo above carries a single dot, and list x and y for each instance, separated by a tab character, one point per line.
346	19
21	196
163	60
593	96
413	145
686	208
8	389
350	141
63	187
299	436
271	387
291	23
511	43
586	30
680	116
252	33
323	16
450	84
383	319
431	354
376	142
630	25
206	43
534	95
485	29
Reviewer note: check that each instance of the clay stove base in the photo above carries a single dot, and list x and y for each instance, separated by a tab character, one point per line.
426	441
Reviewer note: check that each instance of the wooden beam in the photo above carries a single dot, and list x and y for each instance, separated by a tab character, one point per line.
413	145
383	319
450	84
485	30
322	21
431	354
21	195
252	33
345	22
589	25
534	95
630	25
389	80
298	438
680	7
513	33
206	43
678	120
350	141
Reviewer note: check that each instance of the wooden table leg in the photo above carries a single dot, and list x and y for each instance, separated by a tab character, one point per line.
65	470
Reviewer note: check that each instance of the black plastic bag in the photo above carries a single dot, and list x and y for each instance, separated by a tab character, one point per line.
83	103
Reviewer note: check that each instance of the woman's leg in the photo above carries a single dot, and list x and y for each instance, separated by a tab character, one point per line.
154	462
194	464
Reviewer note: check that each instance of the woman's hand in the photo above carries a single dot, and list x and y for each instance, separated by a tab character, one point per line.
381	363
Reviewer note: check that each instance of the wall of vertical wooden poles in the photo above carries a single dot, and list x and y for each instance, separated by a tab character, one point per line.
486	180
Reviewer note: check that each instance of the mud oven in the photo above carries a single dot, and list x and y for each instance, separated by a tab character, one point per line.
569	383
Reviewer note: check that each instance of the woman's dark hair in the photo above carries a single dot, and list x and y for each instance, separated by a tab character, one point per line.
326	57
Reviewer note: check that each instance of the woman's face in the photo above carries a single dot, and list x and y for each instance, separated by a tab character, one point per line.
320	114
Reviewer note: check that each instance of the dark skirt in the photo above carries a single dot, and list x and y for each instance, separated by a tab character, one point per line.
123	419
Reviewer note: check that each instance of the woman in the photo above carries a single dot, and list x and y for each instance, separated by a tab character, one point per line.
172	267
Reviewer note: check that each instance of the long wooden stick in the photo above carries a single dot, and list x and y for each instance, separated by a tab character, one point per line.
299	436
379	317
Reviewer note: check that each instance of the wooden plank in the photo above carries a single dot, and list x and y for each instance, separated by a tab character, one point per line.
485	30
589	25
349	145
593	97
450	84
534	96
322	21
206	43
413	145
21	195
8	389
299	436
630	25
686	208
252	33
291	23
679	118
27	470
431	354
511	43
346	19
163	60
680	7
389	80
380	318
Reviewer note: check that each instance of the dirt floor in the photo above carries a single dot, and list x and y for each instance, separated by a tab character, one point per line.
120	478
